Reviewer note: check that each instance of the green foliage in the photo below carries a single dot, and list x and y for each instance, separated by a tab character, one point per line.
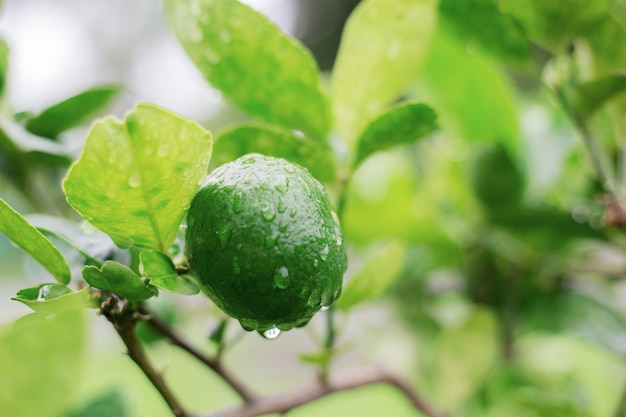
70	112
225	38
161	273
236	141
54	298
120	279
33	242
382	49
140	165
110	404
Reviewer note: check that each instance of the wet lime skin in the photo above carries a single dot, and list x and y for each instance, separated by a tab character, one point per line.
264	243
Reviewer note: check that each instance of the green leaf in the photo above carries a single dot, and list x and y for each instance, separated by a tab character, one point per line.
461	85
402	124
135	179
554	23
53	298
4	64
41	358
269	140
605	47
161	273
591	96
71	112
259	68
375	277
24	235
481	22
382	49
36	147
119	279
109	404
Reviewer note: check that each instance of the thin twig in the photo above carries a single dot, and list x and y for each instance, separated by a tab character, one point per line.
215	365
286	401
122	316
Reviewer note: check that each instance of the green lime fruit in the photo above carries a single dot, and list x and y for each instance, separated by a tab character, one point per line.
264	243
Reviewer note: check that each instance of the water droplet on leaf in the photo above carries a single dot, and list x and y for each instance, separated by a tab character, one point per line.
135	179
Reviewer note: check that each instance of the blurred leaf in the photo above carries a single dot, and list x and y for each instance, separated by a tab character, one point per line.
35	147
135	179
119	279
495	179
262	70
270	140
554	23
161	273
579	314
53	298
605	47
4	64
323	358
382	49
375	277
591	96
24	235
71	112
461	85
217	334
109	404
481	22
402	124
40	361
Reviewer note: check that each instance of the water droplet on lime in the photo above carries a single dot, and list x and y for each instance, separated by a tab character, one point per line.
238	204
324	253
268	213
271	334
281	206
324	308
281	277
290	169
281	188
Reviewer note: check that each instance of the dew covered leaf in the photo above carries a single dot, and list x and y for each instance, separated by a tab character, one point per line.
259	68
135	178
54	298
382	49
239	140
40	359
27	237
161	273
402	124
375	277
120	279
70	112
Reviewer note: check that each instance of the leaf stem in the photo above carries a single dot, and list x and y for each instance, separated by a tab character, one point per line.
286	401
214	364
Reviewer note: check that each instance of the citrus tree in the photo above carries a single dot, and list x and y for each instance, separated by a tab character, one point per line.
459	175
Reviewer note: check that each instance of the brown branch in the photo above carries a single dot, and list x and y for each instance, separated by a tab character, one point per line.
215	365
286	401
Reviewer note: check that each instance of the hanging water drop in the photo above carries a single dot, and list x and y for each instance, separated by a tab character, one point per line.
324	308
271	334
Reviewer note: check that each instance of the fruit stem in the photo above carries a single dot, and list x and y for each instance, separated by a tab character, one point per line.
123	317
214	364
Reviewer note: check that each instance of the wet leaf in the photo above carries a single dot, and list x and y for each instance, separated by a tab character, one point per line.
24	235
53	298
161	273
120	279
135	179
265	72
402	124
269	140
382	49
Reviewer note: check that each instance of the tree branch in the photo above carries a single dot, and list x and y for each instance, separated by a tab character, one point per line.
284	402
215	365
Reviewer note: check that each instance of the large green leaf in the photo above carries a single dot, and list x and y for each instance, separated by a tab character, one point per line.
482	23
259	68
375	277
71	112
40	363
269	140
472	97
402	124
382	49
24	235
135	179
120	279
554	23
